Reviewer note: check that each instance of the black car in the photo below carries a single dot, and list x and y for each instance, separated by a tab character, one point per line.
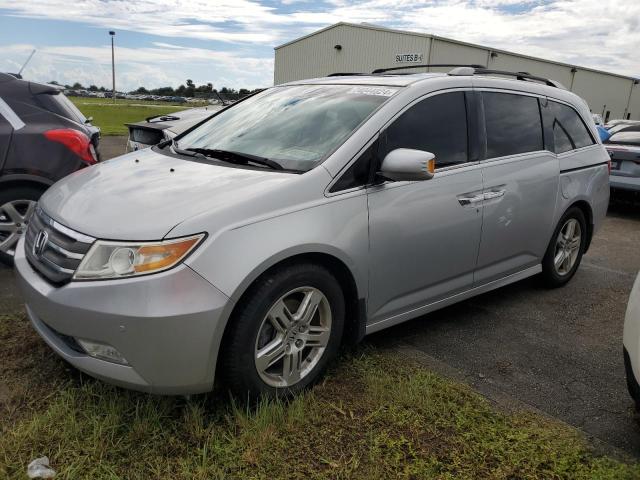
43	137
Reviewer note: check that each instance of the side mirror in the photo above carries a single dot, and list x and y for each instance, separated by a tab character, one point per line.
404	164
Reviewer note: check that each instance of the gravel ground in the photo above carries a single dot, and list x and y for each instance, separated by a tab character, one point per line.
559	351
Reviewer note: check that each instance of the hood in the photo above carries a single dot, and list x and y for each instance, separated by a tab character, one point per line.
144	194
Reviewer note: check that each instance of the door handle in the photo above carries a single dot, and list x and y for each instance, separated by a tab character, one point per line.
466	199
493	194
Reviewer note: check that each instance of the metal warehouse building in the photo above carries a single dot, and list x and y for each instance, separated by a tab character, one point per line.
346	47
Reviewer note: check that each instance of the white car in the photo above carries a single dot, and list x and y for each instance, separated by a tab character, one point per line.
631	342
154	130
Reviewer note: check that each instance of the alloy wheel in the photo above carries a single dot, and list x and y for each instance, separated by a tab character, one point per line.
293	337
567	246
14	218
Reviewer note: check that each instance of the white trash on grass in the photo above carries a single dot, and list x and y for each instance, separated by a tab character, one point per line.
39	468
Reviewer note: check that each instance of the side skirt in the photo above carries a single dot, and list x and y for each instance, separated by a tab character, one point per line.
487	287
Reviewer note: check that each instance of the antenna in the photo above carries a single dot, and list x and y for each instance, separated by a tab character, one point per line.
25	63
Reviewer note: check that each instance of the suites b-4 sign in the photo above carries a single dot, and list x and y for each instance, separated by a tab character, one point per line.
409	57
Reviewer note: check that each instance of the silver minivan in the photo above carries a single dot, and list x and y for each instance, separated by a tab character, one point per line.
306	216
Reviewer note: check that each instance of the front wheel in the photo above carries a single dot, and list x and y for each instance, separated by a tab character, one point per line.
285	332
565	250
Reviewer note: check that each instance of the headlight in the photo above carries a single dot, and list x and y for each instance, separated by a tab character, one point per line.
127	259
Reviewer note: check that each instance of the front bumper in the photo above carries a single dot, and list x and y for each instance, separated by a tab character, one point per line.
168	326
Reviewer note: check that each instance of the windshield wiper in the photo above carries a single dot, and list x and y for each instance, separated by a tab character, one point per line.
235	157
174	146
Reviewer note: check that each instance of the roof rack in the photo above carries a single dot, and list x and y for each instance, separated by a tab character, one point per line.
467	70
382	70
345	74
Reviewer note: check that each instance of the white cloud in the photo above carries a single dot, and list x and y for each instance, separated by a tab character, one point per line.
150	67
600	34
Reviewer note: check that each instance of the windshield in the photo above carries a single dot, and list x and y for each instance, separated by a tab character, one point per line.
296	126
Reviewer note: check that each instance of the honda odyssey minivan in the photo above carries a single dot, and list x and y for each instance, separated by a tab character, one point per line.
251	246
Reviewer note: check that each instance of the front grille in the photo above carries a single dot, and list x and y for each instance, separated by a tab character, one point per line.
61	251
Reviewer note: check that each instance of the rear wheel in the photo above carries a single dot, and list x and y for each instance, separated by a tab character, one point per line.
565	250
16	207
285	332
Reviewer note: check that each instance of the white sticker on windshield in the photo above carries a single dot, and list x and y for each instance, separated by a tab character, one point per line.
379	91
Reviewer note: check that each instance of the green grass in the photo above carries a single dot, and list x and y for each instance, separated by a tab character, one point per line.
111	117
374	417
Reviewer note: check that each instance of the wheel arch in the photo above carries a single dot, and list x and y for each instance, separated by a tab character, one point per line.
355	303
25	180
586	209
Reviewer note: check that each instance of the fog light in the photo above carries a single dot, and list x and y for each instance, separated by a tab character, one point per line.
102	351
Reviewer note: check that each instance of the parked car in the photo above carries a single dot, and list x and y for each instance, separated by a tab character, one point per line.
43	137
624	149
618	121
625	127
154	130
631	343
309	215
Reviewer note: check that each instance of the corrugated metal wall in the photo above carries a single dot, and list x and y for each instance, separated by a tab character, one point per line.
316	55
365	48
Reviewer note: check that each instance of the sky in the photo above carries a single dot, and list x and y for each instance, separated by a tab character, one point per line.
230	42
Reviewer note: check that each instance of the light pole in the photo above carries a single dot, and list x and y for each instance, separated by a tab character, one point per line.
113	66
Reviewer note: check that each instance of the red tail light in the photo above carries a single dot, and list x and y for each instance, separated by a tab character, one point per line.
75	141
609	166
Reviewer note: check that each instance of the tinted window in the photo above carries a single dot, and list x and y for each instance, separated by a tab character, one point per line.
437	124
569	131
143	135
357	174
625	138
60	105
513	124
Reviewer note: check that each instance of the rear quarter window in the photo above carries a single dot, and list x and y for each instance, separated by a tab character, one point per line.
60	105
569	130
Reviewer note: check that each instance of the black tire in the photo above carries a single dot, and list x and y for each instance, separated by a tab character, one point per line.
238	368
11	194
550	275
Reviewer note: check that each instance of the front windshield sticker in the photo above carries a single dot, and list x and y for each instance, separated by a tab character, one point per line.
379	91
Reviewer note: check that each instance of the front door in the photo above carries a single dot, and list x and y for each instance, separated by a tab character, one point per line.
424	236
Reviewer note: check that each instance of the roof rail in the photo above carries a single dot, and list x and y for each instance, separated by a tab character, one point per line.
382	70
345	74
519	75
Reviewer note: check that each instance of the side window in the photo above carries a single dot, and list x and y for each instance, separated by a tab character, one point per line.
569	131
357	175
437	124
512	123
